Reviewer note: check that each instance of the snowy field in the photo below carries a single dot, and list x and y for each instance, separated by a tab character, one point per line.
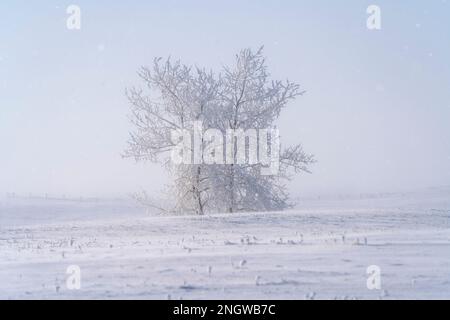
320	250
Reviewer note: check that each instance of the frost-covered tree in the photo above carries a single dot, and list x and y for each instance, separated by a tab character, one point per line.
181	94
238	141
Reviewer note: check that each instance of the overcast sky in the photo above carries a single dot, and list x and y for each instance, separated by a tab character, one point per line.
376	113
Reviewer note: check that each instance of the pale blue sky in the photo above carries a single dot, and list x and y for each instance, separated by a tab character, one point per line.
376	112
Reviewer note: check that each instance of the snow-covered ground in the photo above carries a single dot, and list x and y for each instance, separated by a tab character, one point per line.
320	250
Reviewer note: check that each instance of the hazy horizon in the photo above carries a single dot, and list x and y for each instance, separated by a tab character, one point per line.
376	111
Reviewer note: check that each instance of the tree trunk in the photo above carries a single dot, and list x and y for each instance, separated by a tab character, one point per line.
231	186
199	197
